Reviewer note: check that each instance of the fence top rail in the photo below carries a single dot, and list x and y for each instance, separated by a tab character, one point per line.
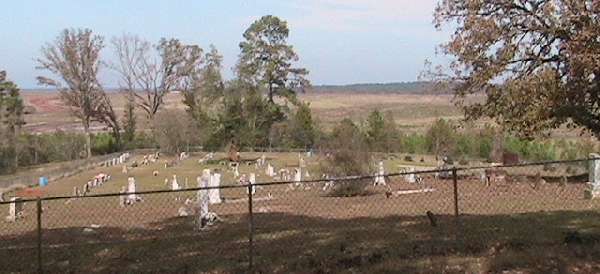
322	180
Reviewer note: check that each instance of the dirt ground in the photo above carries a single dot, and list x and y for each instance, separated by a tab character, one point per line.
410	111
502	228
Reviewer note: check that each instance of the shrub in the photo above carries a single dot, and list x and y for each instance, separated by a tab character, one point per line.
174	132
414	143
347	156
103	143
408	158
441	138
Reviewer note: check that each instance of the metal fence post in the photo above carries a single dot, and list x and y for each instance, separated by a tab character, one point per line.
455	183
250	229
39	234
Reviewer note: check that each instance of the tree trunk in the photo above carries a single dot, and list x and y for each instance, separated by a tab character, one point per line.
88	139
271	93
17	145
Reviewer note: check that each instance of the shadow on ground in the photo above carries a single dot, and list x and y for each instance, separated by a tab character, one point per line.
543	242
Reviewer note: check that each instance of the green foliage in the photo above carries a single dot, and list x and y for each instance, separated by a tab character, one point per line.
441	138
103	143
347	156
375	131
266	60
414	143
129	120
302	131
11	121
257	120
531	149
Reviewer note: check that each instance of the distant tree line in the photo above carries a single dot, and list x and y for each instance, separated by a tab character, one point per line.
416	87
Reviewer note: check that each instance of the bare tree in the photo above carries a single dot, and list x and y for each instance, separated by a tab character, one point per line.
75	58
150	75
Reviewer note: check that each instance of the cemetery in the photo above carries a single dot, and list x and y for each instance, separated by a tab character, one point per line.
298	226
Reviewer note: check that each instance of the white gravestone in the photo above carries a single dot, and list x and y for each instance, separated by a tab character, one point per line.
410	178
263	160
236	171
298	177
270	171
328	184
252	182
174	183
215	193
15	210
131	197
593	190
380	179
203	199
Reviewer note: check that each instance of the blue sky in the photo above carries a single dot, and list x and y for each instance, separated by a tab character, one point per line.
339	41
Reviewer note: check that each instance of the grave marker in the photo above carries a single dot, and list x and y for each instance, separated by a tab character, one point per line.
15	210
380	178
174	183
214	193
203	199
252	182
593	190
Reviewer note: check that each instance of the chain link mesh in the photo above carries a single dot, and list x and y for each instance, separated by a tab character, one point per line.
525	218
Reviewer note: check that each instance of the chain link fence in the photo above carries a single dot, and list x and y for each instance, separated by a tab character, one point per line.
455	220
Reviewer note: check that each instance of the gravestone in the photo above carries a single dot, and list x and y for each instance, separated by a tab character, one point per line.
483	178
131	197
252	182
410	178
86	188
215	193
328	184
298	177
174	183
263	160
122	200
15	210
203	199
236	171
593	190
270	171
380	178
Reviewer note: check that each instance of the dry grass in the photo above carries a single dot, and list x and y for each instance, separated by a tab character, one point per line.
415	111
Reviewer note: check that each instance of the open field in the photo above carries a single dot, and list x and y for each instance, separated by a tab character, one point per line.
502	228
412	111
